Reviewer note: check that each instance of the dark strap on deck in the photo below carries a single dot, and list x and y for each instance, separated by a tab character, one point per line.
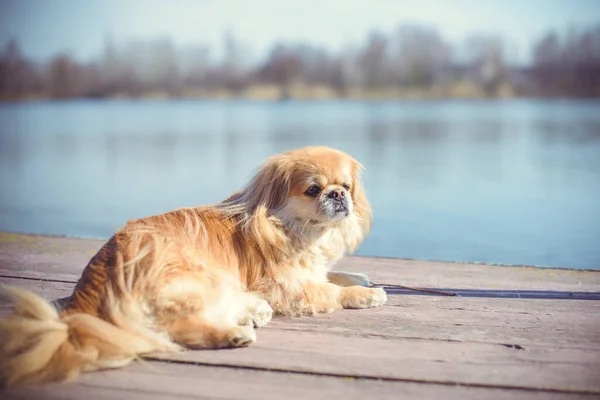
490	293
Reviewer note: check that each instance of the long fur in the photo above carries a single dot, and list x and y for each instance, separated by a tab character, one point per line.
201	277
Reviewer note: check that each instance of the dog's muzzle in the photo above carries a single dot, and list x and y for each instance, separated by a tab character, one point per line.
337	202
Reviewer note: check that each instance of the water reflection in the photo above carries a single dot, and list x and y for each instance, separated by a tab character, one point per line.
506	182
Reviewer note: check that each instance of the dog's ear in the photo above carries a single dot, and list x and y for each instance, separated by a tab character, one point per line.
267	191
270	186
362	207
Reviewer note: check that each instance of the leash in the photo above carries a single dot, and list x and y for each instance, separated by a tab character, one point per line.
384	285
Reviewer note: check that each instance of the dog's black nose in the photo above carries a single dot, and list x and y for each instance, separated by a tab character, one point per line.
336	194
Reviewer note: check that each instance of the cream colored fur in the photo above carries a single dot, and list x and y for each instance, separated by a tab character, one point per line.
203	277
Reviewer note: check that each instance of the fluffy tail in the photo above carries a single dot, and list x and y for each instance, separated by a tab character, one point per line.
37	346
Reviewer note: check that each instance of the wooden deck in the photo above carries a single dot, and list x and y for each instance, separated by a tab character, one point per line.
506	333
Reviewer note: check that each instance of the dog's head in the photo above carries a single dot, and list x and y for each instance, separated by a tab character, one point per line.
312	187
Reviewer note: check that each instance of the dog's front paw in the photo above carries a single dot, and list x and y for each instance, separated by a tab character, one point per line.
378	297
261	313
361	297
240	336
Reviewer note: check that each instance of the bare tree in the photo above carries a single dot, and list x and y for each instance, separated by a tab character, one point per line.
485	62
569	65
414	56
373	61
420	56
17	76
281	68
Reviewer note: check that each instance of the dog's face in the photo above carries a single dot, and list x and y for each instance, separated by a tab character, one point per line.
313	186
321	185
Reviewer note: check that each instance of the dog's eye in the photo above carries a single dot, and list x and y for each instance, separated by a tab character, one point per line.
313	191
346	186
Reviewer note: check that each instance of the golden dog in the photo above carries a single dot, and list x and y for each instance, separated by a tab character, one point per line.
203	277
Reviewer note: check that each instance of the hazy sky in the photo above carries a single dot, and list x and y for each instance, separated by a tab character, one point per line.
46	27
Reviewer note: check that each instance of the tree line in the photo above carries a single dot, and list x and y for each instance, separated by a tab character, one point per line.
413	60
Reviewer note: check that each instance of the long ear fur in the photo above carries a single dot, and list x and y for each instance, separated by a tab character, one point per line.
272	183
362	207
267	191
269	187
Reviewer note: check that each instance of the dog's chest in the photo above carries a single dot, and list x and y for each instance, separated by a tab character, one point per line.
320	257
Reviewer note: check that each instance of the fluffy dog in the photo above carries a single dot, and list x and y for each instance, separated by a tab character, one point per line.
203	277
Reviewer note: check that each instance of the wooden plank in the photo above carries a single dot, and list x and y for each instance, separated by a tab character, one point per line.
553	323
45	257
47	289
478	364
471	276
77	392
555	344
154	380
539	323
543	344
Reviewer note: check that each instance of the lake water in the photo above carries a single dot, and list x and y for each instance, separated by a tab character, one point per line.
508	182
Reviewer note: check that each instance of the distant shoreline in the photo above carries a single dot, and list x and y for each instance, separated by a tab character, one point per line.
459	90
32	99
238	97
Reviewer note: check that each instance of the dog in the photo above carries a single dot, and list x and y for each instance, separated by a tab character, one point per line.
204	277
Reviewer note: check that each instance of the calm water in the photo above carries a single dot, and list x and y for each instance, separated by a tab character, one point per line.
515	182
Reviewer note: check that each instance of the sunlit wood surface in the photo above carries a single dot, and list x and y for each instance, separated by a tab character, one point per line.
493	333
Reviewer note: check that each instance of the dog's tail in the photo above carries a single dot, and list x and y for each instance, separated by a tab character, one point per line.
39	346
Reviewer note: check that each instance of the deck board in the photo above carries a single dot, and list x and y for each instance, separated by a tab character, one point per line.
496	321
423	345
154	380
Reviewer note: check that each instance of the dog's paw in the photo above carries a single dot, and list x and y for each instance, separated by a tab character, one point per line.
261	313
378	297
359	297
241	336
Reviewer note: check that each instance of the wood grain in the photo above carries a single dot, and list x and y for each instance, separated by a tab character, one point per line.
420	346
493	345
156	380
